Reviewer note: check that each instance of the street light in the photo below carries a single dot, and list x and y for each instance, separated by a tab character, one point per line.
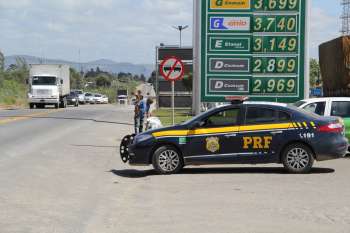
180	28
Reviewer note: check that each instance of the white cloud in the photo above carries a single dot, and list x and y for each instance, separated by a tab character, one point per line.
324	27
8	4
116	29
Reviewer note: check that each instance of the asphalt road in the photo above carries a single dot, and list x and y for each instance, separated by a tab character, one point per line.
60	172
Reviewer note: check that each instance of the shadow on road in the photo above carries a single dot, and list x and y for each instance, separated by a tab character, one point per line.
131	173
71	118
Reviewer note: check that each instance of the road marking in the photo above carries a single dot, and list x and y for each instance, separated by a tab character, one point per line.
26	117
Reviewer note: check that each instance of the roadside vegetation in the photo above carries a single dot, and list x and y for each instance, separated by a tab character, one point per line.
13	87
165	116
97	81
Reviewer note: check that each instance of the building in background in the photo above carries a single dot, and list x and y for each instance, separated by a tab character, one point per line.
183	91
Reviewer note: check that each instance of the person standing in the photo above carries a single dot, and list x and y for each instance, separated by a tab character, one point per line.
141	115
136	113
149	102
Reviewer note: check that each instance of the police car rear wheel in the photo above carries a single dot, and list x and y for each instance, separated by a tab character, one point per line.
298	158
167	160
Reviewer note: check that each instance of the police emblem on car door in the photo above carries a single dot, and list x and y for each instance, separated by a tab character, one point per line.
216	140
213	144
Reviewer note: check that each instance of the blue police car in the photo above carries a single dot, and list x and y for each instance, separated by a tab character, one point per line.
241	133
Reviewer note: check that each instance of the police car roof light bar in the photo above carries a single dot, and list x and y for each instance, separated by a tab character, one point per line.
237	99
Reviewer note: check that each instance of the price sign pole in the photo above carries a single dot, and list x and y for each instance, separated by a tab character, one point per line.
172	69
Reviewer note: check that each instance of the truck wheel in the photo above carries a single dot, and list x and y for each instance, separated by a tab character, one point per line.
57	106
167	160
298	158
31	106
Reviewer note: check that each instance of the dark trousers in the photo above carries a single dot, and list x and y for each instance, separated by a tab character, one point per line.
138	123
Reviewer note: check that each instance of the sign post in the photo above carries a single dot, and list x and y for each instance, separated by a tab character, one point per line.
172	69
255	48
173	101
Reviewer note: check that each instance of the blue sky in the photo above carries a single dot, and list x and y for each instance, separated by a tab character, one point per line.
121	30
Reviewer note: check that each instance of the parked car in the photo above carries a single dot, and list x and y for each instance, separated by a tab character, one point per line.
123	99
81	96
89	98
330	106
240	133
105	99
98	98
73	99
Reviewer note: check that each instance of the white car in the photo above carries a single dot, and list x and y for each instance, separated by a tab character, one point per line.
98	98
123	99
81	96
331	106
105	99
89	98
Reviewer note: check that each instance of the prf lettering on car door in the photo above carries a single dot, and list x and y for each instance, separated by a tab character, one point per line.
257	142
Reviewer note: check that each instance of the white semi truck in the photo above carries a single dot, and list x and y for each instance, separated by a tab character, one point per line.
49	85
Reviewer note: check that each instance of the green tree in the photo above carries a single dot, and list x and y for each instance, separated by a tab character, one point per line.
153	78
103	81
315	72
76	80
143	78
13	89
187	81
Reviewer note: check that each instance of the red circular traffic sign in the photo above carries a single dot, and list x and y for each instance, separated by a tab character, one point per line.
172	69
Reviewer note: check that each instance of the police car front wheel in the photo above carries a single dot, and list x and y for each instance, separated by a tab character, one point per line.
167	160
298	158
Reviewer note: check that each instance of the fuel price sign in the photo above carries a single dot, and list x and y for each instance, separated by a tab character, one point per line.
254	48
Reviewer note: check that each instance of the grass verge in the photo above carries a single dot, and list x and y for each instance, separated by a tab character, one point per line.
165	116
13	94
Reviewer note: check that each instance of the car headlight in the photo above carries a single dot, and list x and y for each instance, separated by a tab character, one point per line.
142	138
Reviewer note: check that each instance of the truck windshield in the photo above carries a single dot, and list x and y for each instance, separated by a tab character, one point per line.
43	80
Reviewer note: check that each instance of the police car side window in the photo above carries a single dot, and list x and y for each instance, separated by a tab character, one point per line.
256	115
223	118
283	117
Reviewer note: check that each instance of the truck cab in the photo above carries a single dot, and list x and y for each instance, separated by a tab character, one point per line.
49	85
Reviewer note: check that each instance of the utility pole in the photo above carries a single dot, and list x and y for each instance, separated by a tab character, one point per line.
345	17
180	29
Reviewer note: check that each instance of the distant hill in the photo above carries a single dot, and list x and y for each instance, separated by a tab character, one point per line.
104	64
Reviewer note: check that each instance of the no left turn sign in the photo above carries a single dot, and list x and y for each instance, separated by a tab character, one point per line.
172	69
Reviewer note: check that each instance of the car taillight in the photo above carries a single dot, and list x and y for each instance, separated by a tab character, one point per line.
331	128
